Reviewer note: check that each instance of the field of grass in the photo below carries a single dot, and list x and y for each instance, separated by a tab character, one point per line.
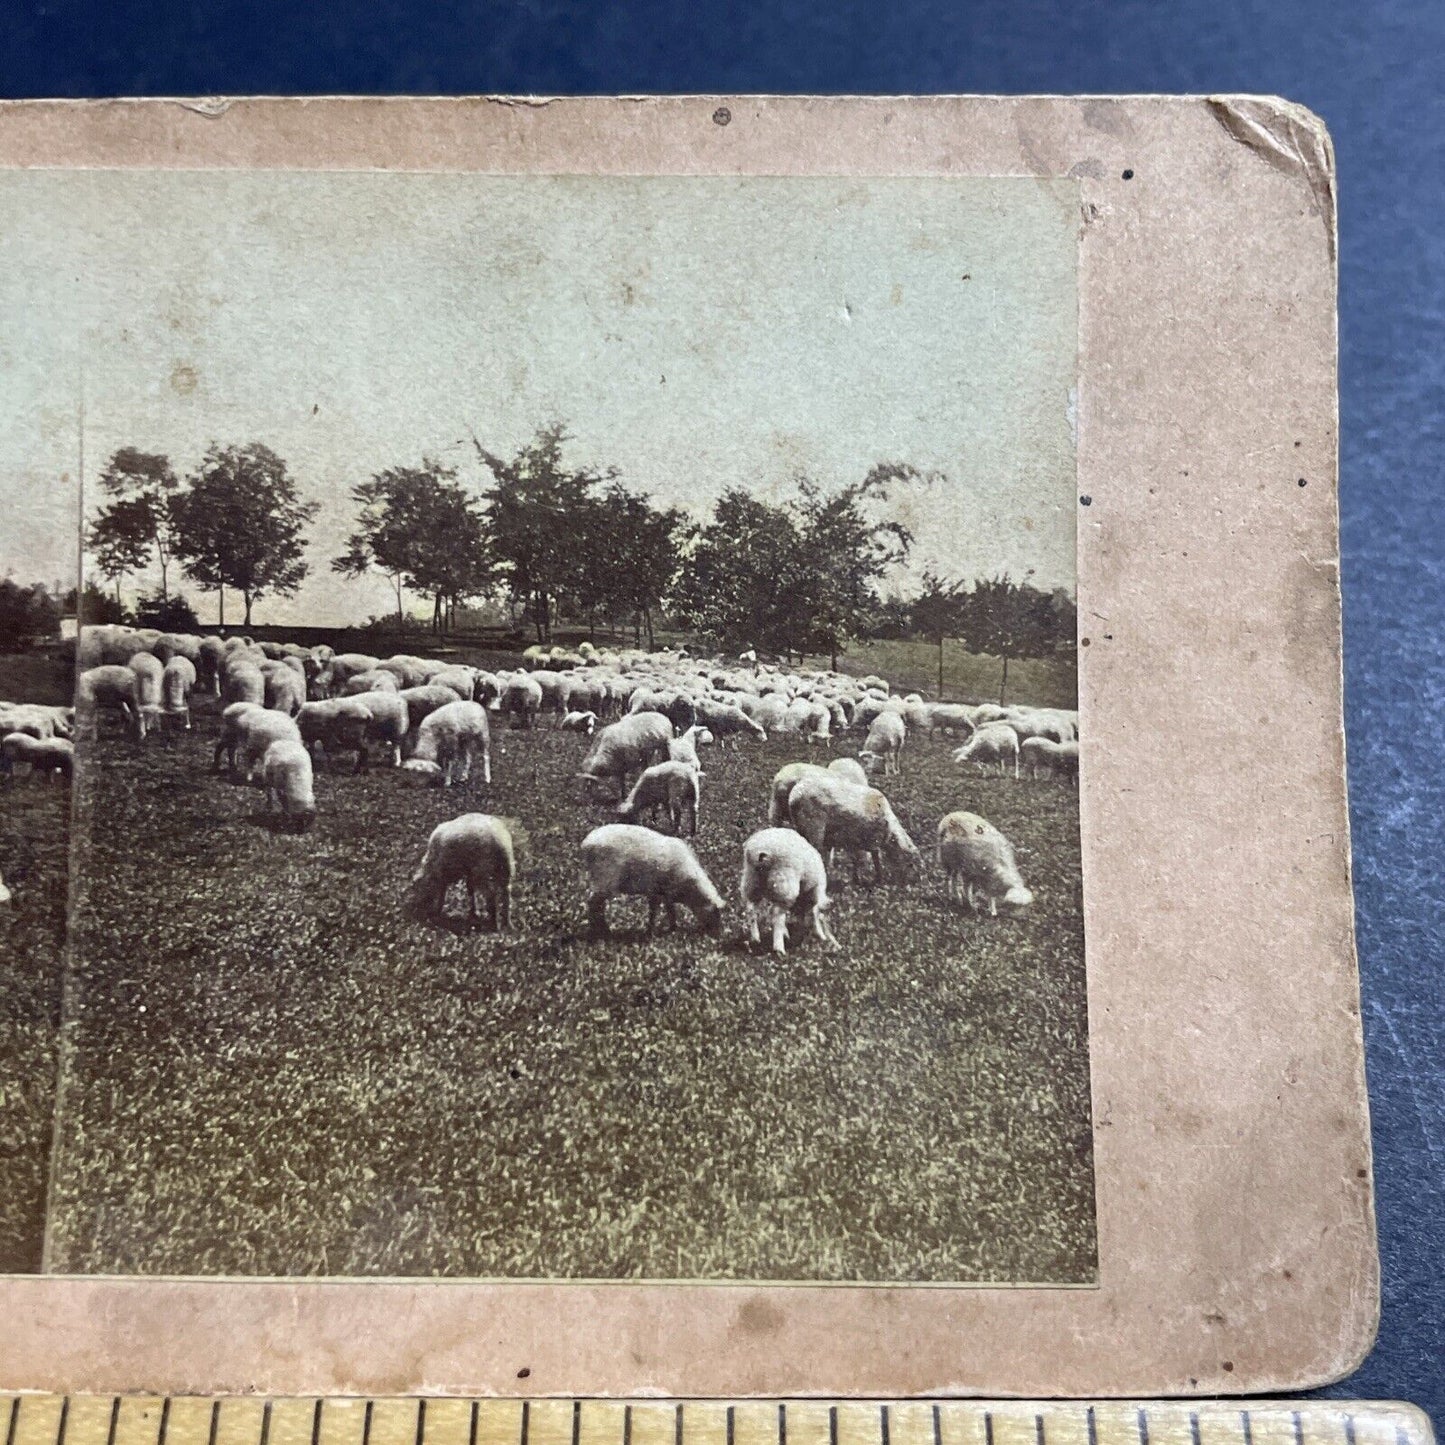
34	837
271	1071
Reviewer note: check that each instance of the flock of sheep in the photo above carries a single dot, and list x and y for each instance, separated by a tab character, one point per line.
284	707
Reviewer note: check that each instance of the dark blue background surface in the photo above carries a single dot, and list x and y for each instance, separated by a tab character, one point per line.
1374	70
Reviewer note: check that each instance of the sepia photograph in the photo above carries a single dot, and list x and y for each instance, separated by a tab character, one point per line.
540	733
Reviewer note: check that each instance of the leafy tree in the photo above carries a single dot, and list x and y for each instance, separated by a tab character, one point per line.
539	512
937	614
1012	620
27	615
631	567
845	552
798	576
240	524
144	486
740	582
120	540
420	528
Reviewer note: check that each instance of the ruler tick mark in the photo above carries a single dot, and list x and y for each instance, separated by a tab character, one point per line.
1141	1423
165	1421
114	1420
472	1423
14	1421
366	1425
64	1420
677	1427
832	1425
576	1421
627	1425
1093	1426
782	1423
988	1427
316	1422
265	1421
937	1426
883	1430
1038	1430
526	1420
420	1421
1248	1430
1194	1427
730	1425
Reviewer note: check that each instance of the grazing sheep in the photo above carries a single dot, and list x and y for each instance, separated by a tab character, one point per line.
725	721
378	679
242	682
1043	755
336	725
886	736
389	720
850	769
208	663
285	689
950	717
422	702
621	858
148	670
995	744
830	812
477	851
676	707
520	700
340	669
33	718
112	687
44	755
406	671
684	749
178	644
178	677
1035	722
675	786
450	739
247	730
783	874
784	781
978	862
460	680
580	722
627	746
286	776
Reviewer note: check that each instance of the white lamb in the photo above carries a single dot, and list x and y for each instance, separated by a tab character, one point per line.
674	786
242	682
377	679
521	700
783	874
286	776
622	859
995	745
422	702
112	687
978	862
148	670
450	739
1043	755
684	749
177	679
477	851
886	736
285	689
247	730
830	812
622	748
580	722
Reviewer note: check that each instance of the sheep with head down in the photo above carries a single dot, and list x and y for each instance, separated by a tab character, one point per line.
477	851
449	741
783	876
621	749
994	746
672	787
112	687
247	730
178	678
884	746
287	778
51	756
979	865
624	860
832	813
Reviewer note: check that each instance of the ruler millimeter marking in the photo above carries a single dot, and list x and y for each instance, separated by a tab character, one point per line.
435	1420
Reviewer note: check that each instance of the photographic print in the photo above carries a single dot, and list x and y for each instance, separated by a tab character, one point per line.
558	757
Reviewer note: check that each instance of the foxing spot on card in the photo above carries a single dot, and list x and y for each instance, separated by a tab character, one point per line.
649	759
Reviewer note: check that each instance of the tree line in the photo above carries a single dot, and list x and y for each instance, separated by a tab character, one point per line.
802	574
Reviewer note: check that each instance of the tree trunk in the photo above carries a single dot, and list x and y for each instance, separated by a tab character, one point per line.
117	590
651	636
940	667
400	615
1003	686
436	614
222	591
165	590
833	657
246	598
637	629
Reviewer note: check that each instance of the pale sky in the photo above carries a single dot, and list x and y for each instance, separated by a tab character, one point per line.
696	333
